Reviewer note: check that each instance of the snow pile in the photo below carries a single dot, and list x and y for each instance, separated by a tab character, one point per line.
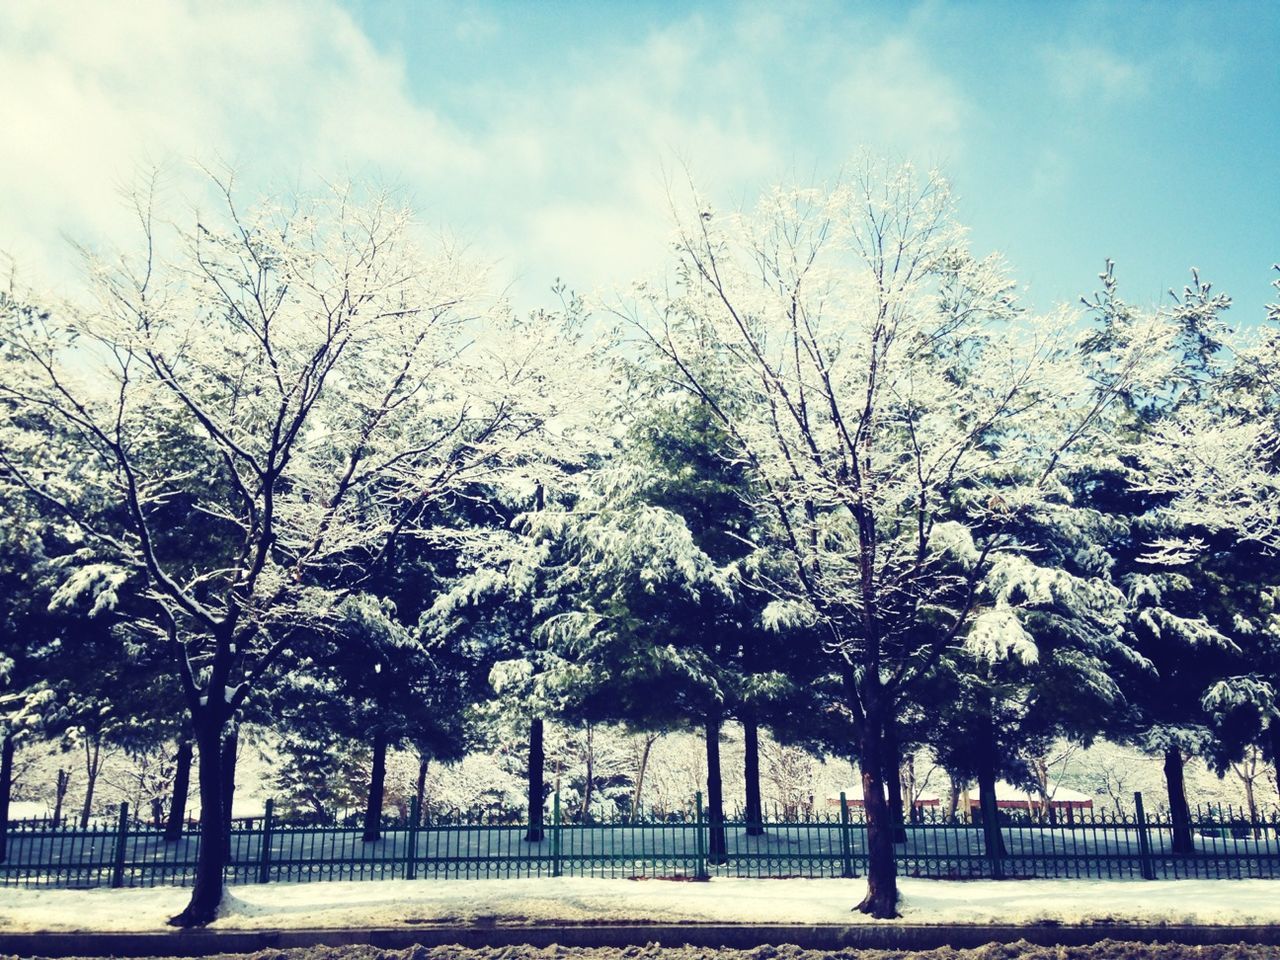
578	899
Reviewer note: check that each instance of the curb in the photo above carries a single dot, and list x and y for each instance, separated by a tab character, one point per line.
198	943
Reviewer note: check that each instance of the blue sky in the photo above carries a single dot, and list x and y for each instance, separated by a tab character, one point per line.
546	134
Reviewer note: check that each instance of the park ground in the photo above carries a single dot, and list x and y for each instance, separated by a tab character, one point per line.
396	903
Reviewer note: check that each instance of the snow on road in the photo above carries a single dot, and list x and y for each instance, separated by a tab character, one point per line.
577	899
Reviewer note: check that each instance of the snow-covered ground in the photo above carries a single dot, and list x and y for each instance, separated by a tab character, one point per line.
400	902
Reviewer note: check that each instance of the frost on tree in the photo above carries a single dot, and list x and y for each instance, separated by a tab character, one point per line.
1212	466
663	628
504	588
1173	476
251	409
881	380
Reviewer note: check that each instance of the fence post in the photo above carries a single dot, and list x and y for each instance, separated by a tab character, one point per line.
122	838
411	843
846	851
264	851
555	837
1144	842
700	861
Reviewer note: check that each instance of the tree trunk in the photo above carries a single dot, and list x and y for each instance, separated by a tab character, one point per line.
989	804
60	793
1040	768
754	814
638	791
910	789
1253	806
988	801
377	779
585	813
230	747
1179	812
157	812
953	797
91	760
536	787
424	759
891	771
716	847
211	855
6	786
1275	751
181	787
881	900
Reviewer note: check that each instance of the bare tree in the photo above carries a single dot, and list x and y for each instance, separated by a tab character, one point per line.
901	414
789	771
249	414
1114	779
1042	765
915	783
1248	770
642	747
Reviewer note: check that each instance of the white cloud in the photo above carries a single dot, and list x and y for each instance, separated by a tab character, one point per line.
95	93
892	98
562	177
1050	173
1084	72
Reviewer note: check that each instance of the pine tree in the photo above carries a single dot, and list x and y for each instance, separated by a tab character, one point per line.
665	629
1179	620
26	583
1221	471
689	467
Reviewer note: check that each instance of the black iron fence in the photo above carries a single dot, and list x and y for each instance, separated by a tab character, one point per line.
1218	843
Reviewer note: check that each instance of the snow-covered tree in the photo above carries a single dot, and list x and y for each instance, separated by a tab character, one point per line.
654	559
682	461
316	774
1214	467
789	771
895	405
503	588
1180	573
493	609
26	583
305	381
1001	699
661	629
375	683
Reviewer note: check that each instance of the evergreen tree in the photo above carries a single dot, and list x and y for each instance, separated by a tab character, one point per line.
1180	618
26	583
1222	471
665	627
493	608
689	466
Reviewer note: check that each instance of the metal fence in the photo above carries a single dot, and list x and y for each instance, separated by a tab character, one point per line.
1090	844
